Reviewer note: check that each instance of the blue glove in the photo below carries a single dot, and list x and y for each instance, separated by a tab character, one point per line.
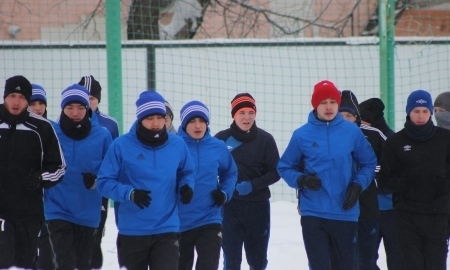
244	187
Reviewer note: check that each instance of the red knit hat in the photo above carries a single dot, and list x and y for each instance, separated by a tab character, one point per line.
323	90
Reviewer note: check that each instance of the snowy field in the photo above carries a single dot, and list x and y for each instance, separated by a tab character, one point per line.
286	249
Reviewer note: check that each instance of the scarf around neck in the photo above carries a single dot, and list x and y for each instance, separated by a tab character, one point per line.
420	133
244	136
150	137
75	130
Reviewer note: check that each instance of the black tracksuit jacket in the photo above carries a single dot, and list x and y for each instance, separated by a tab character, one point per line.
417	172
30	147
257	161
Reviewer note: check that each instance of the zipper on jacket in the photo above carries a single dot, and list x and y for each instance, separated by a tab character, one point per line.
328	137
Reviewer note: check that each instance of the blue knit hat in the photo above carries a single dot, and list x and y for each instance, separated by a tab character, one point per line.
419	98
75	94
38	94
193	109
150	103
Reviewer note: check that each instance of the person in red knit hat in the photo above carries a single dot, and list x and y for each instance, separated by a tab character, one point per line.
329	161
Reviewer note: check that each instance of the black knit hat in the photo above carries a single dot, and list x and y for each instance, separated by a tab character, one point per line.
92	85
18	84
371	110
349	103
243	100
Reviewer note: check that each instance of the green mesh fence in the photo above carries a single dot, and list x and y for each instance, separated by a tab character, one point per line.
211	50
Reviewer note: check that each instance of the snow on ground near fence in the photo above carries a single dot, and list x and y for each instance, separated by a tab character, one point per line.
286	250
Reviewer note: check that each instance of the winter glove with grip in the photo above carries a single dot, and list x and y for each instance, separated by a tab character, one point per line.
89	180
141	198
186	194
309	181
219	197
352	195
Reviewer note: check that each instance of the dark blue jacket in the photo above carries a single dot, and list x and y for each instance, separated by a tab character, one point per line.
256	161
109	123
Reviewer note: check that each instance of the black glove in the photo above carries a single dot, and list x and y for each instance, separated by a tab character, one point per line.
352	195
89	180
186	194
219	197
33	181
141	198
309	181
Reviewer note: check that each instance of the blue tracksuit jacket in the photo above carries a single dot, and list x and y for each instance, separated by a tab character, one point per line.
215	169
328	149
70	200
130	164
109	123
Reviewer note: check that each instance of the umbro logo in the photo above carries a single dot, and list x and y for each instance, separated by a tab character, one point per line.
18	88
407	148
140	156
421	101
314	145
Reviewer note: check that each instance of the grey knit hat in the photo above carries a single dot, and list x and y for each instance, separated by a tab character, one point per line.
443	101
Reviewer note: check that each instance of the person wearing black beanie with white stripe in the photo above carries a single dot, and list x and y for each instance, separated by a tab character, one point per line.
111	124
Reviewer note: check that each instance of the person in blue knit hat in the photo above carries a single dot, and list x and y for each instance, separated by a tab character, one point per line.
415	167
72	207
38	105
215	180
147	173
38	100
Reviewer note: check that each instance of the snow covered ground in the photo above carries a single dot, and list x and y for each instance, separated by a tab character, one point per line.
286	250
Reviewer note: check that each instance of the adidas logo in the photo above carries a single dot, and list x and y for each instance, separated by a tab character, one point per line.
79	126
229	147
156	136
314	145
18	88
421	101
140	156
407	148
